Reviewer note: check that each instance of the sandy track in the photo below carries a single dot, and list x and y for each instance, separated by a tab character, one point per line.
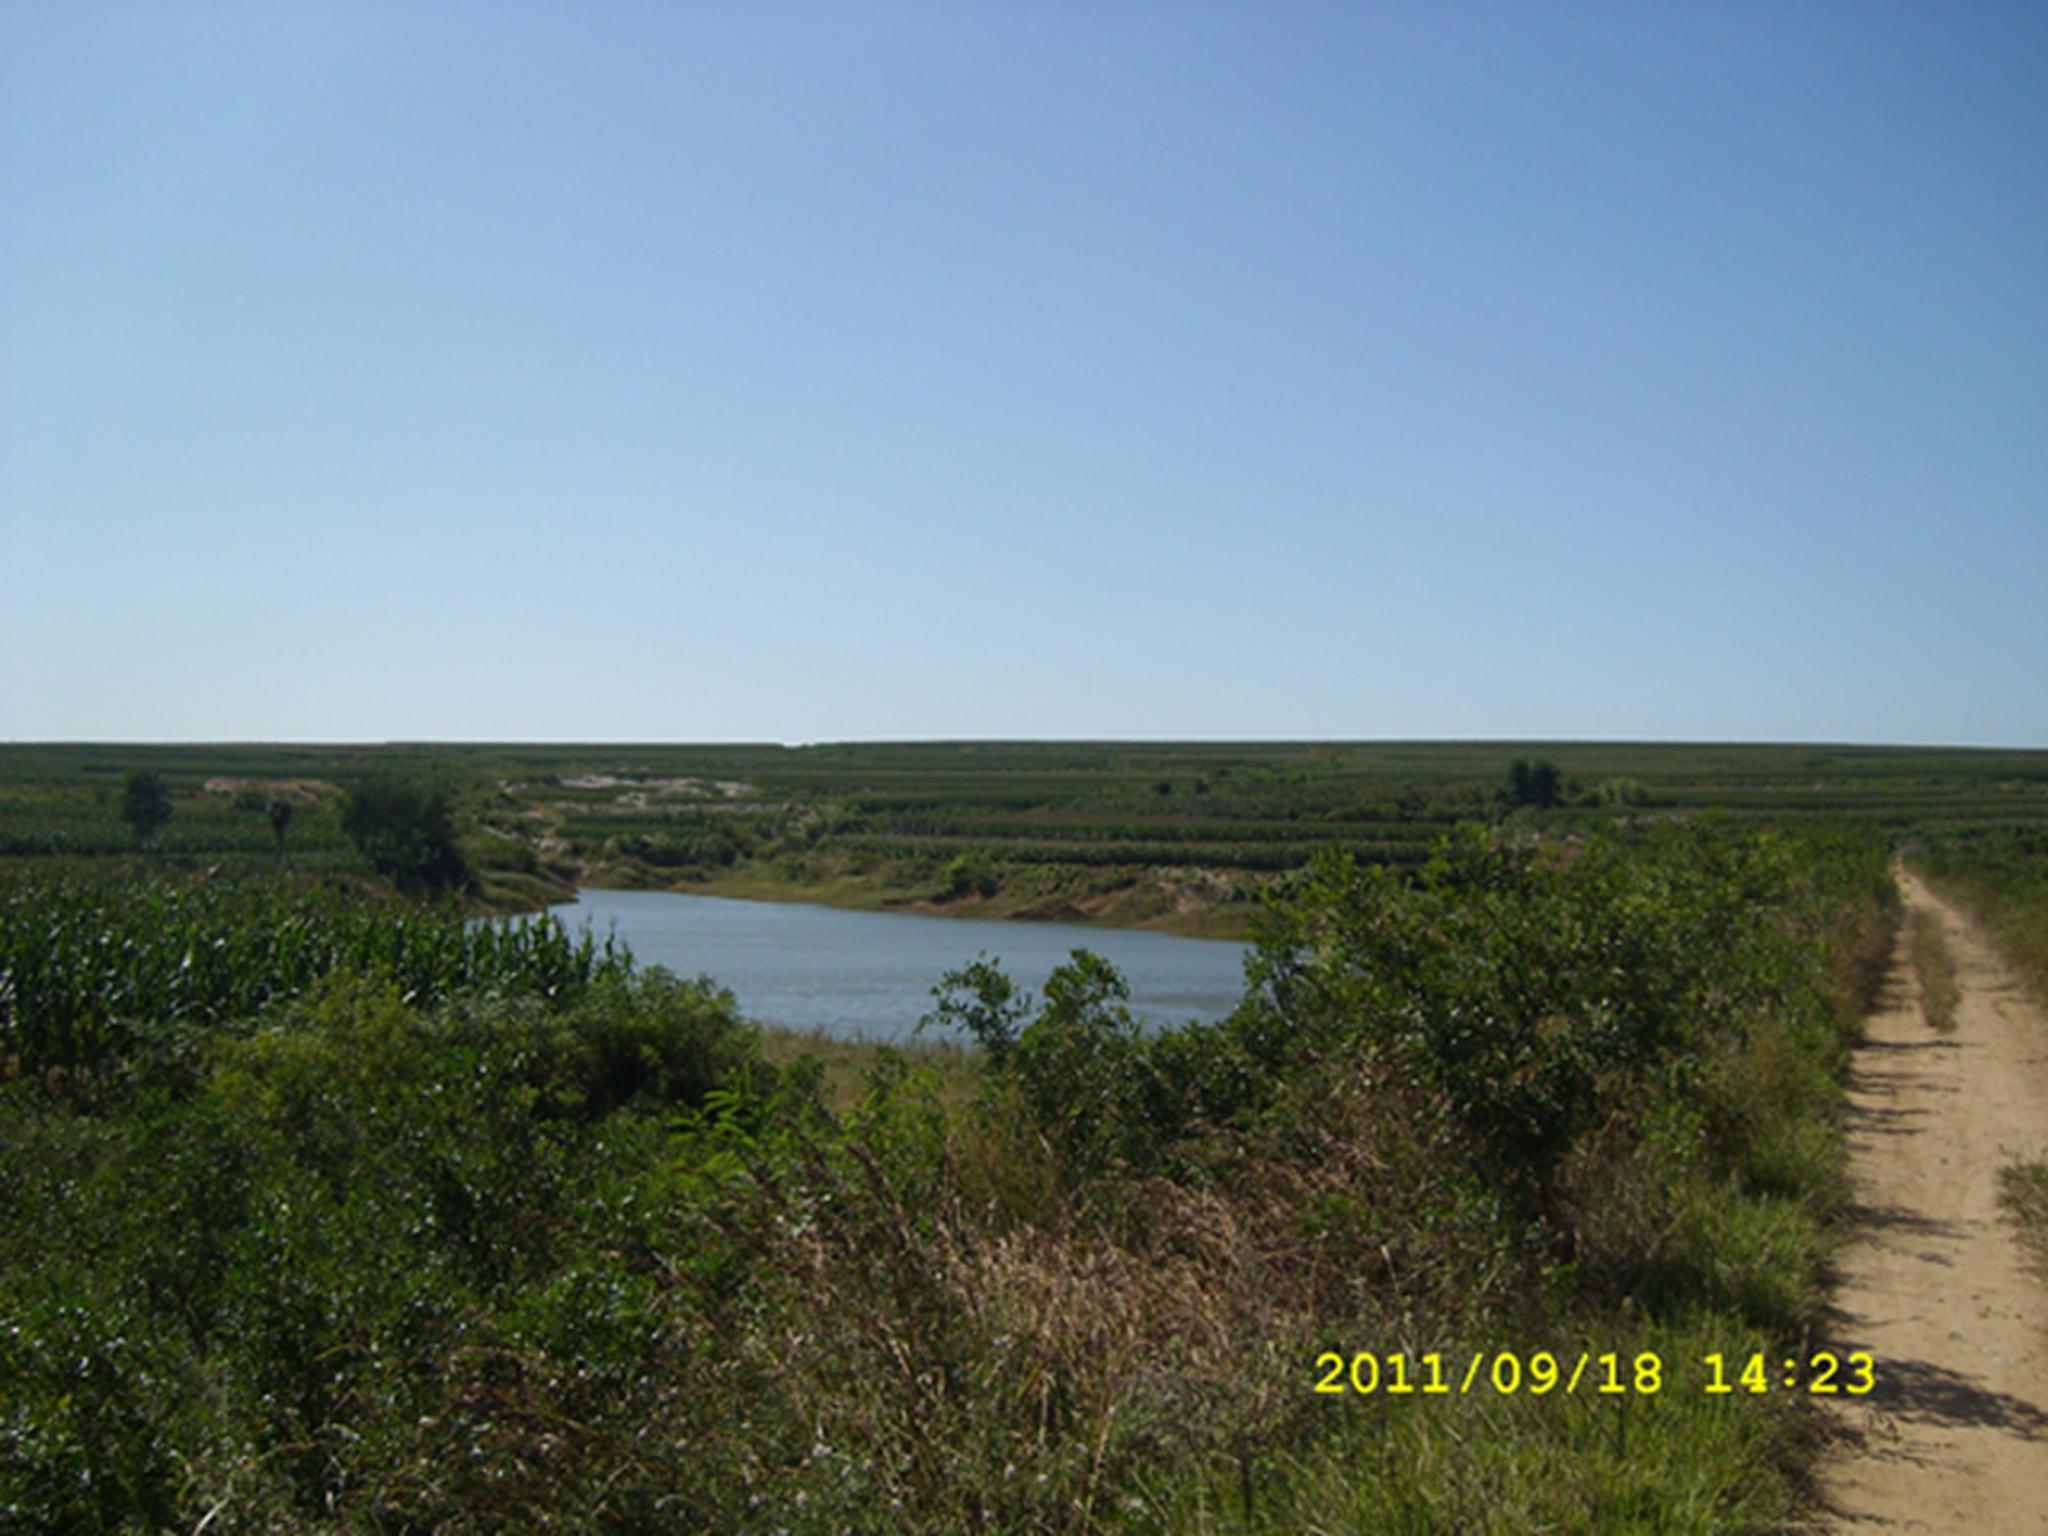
1955	1439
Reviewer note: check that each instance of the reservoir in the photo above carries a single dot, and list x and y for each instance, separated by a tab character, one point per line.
869	975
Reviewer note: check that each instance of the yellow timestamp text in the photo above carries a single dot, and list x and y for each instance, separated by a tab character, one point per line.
1538	1373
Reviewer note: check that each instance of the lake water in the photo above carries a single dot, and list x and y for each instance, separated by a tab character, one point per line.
870	974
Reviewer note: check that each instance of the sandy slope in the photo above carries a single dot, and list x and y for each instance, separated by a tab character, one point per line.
1956	1437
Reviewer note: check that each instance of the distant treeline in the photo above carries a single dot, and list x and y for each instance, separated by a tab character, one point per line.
1042	819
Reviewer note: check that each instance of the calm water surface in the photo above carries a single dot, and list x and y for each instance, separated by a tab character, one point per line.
870	974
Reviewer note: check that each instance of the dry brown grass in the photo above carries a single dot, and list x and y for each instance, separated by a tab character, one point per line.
996	1352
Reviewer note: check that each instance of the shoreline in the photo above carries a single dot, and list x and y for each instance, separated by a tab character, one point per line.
1134	908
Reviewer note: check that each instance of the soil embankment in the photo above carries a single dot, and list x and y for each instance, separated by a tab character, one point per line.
1191	904
1936	1285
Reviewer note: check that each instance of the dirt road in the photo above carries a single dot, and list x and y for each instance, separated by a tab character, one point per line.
1955	1439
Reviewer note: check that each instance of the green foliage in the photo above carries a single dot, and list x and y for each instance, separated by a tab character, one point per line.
145	805
2000	874
92	972
1084	1066
691	843
278	813
1548	997
651	1040
878	819
416	1237
1538	783
1621	791
369	1263
980	1001
407	832
970	874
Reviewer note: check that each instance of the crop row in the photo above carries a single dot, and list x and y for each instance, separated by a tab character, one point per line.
1255	856
89	969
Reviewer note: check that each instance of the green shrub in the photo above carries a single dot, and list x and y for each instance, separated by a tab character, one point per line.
970	874
652	1039
407	833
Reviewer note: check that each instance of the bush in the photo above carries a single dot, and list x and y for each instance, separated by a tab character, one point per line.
1618	793
1538	783
655	1040
970	874
407	832
1550	997
983	1003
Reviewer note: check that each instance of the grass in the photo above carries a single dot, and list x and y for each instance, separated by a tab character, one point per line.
1999	875
849	1068
2025	1194
1677	1461
1935	967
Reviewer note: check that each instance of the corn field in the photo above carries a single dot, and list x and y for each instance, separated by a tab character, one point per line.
89	969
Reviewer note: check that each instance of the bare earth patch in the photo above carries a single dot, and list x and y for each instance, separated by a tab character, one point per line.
1936	1285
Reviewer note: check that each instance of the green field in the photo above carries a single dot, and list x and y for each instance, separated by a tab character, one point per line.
1177	835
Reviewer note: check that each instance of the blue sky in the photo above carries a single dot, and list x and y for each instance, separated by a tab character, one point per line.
804	372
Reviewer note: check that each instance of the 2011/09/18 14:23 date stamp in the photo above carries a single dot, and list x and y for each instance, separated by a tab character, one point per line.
1509	1372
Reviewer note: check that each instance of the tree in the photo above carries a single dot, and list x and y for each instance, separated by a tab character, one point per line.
280	814
407	832
145	805
272	807
1538	783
